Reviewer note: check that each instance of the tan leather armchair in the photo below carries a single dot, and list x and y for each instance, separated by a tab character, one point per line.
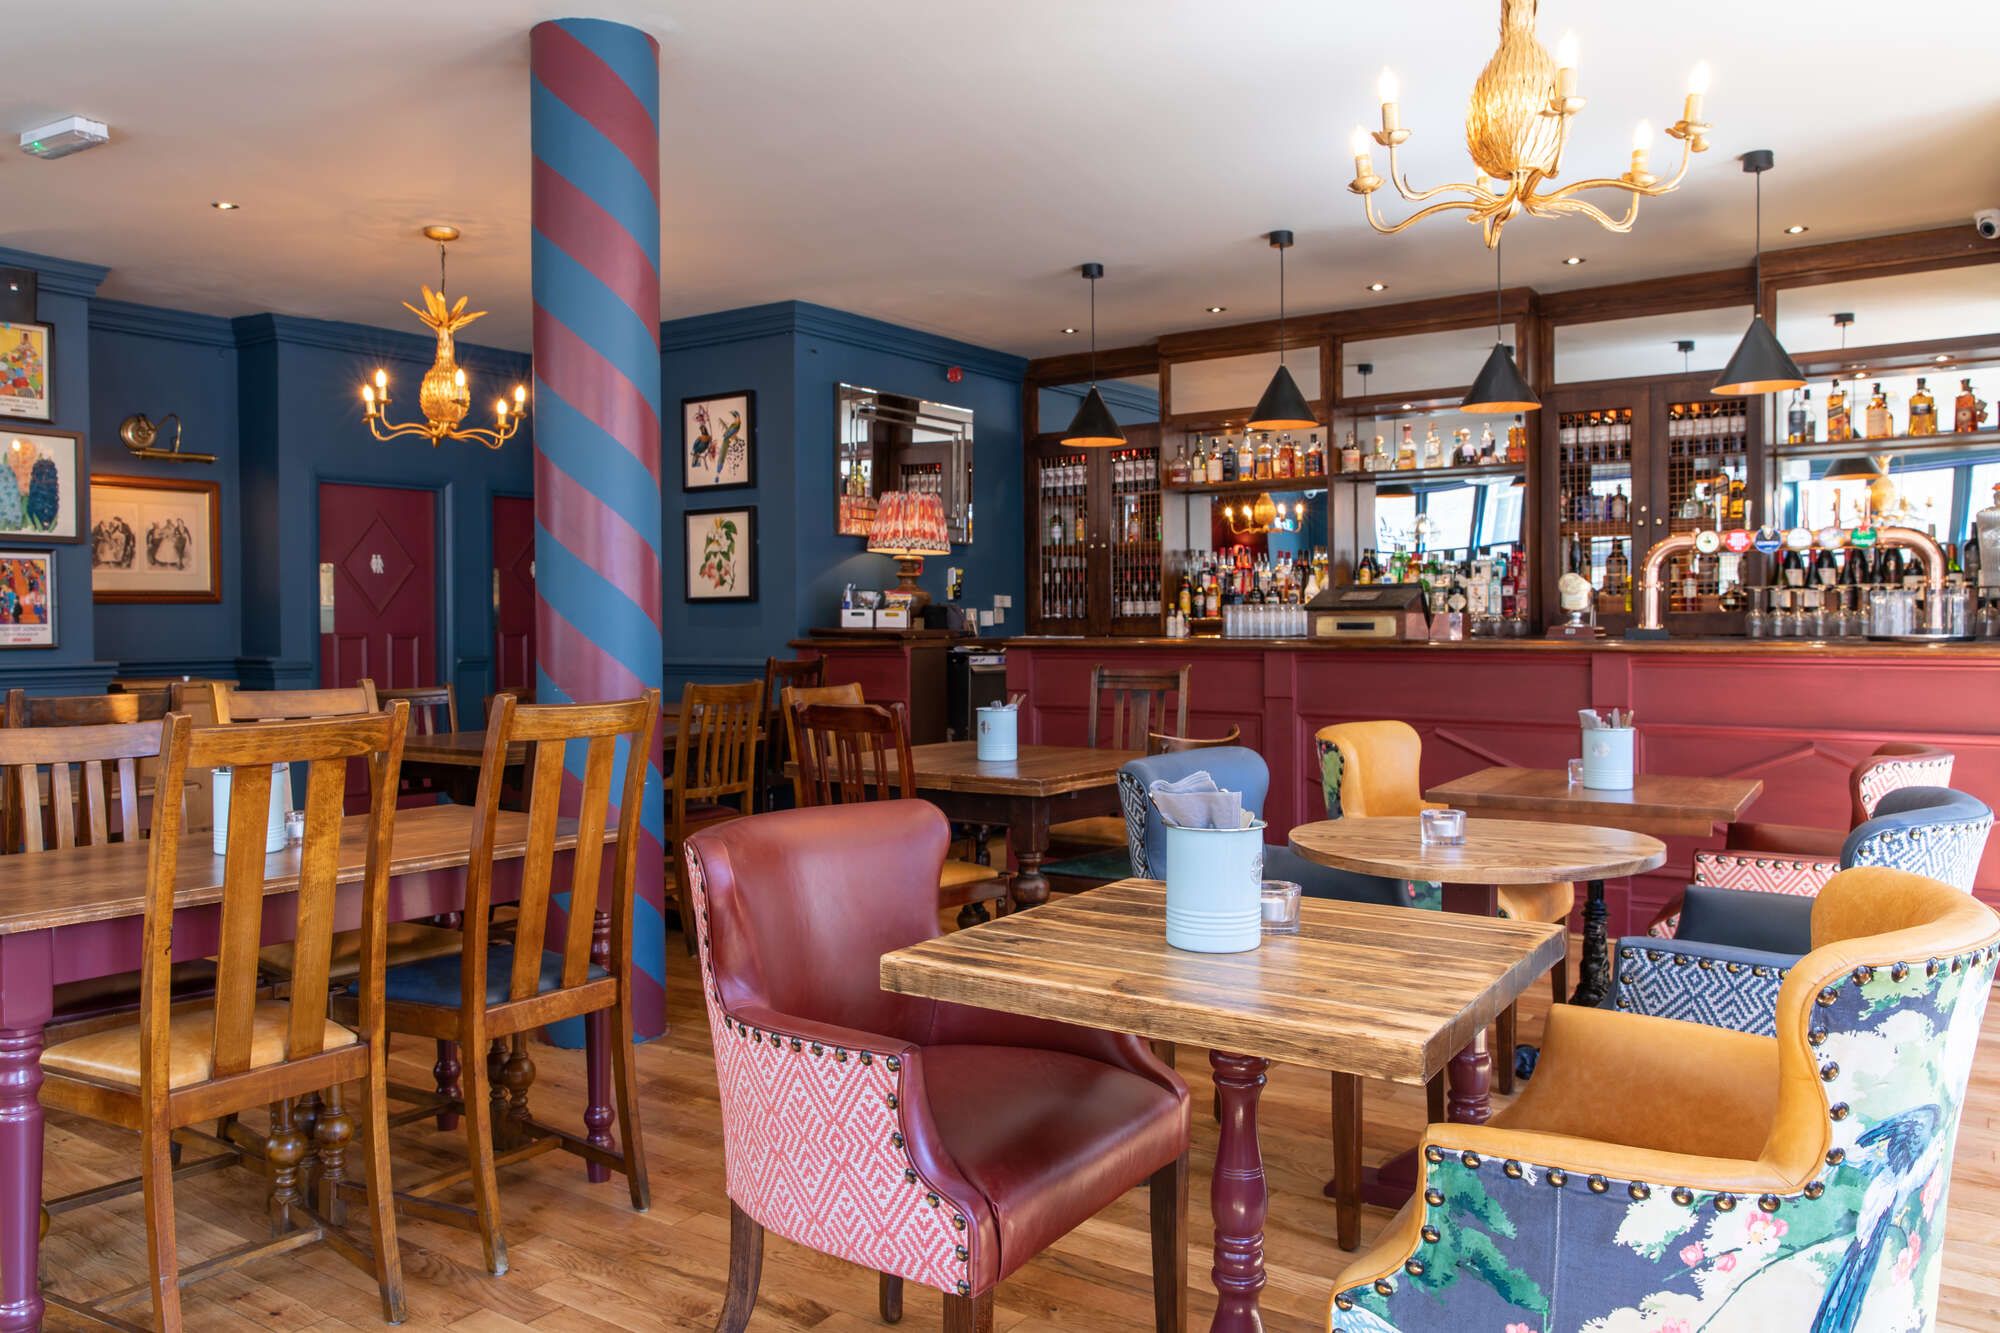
1657	1171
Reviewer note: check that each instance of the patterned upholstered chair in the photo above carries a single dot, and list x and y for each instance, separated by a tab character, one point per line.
1727	962
928	1141
1660	1175
1793	858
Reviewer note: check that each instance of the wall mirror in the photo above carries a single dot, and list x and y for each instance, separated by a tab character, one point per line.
1134	400
1888	311
893	442
1420	365
1220	384
1644	345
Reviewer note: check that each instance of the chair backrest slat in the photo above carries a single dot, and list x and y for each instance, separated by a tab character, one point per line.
234	705
781	677
546	730
1134	693
325	746
50	771
846	753
62	804
433	708
715	750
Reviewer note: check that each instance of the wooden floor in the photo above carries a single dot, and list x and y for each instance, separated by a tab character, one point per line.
582	1260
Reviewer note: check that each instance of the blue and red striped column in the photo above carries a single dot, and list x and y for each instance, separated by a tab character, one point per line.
596	134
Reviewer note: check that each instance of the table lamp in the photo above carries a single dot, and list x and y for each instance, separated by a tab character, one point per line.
909	525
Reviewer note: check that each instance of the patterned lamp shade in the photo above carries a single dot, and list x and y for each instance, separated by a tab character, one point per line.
909	523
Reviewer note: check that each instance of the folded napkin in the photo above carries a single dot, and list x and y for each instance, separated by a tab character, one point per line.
1196	802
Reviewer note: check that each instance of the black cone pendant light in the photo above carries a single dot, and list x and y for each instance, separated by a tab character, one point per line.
1499	387
1093	426
1282	407
1760	364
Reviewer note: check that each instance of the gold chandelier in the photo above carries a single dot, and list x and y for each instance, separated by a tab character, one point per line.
1262	516
1516	127
445	396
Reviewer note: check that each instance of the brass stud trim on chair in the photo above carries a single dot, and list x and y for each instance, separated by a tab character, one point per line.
1639	1192
1342	1303
1836	1156
1430	1234
1863	975
1725	1203
1683	1196
1414	1267
1433	1154
1434	1197
1816	1037
1899	971
894	1064
1829	1071
1558	1178
1827	996
1471	1160
891	1100
1769	1202
1511	1169
1384	1287
1838	1110
1815	1188
1598	1184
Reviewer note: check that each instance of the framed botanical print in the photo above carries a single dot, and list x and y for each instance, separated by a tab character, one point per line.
155	539
719	441
27	599
41	486
721	554
26	391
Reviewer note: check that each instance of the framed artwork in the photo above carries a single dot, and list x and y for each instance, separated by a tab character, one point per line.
155	539
721	554
719	441
27	599
26	392
41	486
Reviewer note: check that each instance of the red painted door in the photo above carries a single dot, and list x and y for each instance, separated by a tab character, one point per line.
378	549
513	594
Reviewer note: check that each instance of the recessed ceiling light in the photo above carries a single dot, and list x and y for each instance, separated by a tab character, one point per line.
1405	407
1796	229
1069	330
1378	286
223	205
1941	358
1217	309
1573	260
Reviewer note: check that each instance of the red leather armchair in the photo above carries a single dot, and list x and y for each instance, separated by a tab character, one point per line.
925	1140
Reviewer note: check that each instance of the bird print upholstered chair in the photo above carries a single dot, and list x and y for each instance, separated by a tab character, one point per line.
929	1141
1733	948
1662	1175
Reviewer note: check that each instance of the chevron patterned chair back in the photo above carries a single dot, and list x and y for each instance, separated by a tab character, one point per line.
1719	1180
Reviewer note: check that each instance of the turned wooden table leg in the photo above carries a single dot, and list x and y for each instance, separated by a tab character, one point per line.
1028	839
1471	1077
1238	1197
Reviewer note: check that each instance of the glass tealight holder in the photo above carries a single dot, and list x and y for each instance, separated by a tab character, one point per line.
1279	899
1575	772
1442	827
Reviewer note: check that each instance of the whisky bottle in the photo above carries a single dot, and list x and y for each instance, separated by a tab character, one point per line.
1406	452
1617	568
1433	448
1315	457
1215	465
1923	410
1261	459
1839	426
1620	508
1796	418
1875	423
1517	442
1809	429
1232	467
1487	450
1350	454
1246	459
1969	412
1364	571
1285	459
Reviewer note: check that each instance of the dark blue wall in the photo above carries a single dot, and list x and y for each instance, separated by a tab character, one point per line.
792	354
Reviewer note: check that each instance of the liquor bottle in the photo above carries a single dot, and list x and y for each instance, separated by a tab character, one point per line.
1809	428
1889	566
1794	568
1246	459
1179	469
1875	422
1565	435
1825	568
1839	426
1406	451
1923	410
1617	568
1735	506
1969	411
1262	459
1315	457
1367	571
1985	551
1852	573
1488	451
1433	448
1579	562
1232	467
1055	529
1350	454
1620	508
1517	442
1285	460
1187	600
1796	418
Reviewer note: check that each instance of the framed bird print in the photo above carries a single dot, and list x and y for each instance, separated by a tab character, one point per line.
719	441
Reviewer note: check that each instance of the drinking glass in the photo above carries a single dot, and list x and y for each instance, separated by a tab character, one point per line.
1442	827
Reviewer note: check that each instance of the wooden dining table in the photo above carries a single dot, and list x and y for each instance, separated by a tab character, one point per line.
1042	785
1337	996
75	914
1661	805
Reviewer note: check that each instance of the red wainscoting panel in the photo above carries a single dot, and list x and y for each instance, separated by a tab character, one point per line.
1797	720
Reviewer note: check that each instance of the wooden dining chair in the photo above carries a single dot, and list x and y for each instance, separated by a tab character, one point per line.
1160	743
166	1070
234	705
1133	700
433	708
861	752
19	806
715	763
551	968
781	675
789	701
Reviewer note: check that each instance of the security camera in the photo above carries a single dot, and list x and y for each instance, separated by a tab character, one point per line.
1987	220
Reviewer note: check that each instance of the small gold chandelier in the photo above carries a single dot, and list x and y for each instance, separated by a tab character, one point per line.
445	396
1516	127
1263	515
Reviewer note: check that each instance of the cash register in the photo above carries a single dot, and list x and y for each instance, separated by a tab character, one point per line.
1369	611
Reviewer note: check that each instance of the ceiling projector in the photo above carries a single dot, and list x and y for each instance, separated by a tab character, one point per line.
72	134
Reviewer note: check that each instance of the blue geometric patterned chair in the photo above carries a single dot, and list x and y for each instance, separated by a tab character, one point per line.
1726	962
1659	1175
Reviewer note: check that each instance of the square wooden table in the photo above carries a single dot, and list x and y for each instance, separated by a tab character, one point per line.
1659	804
1041	786
1378	992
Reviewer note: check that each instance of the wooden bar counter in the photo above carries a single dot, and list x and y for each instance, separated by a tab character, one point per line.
1797	714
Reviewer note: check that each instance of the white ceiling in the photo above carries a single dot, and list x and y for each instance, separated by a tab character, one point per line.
945	166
